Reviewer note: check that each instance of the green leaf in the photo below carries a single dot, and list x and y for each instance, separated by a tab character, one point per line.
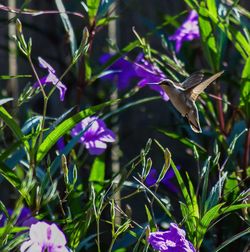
65	126
190	210
8	77
93	6
232	239
231	188
207	36
245	88
215	193
11	123
193	4
189	143
193	198
10	176
67	25
97	173
233	34
150	220
211	215
167	157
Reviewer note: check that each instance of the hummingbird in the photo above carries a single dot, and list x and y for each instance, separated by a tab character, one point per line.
183	95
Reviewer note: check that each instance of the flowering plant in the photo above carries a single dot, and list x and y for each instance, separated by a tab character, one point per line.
75	169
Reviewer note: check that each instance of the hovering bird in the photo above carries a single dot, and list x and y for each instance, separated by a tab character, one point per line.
183	95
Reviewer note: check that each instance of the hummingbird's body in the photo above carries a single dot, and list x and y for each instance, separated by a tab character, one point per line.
183	96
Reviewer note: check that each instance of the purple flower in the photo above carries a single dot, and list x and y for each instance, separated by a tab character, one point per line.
121	69
50	78
188	31
172	240
95	135
150	75
153	176
44	237
24	219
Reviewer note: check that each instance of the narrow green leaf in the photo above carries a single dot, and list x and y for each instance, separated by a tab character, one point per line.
150	220
190	212
208	37
193	4
8	77
233	34
167	157
97	173
210	216
189	143
231	208
67	25
215	192
193	197
232	239
93	6
245	88
11	123
10	176
65	126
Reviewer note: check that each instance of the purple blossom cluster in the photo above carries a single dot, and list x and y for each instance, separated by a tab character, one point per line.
172	240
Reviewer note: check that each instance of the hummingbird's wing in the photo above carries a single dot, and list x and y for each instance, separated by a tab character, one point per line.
193	119
193	80
198	89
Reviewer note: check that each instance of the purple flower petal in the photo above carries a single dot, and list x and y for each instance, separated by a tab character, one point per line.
188	31
51	78
45	237
46	65
153	176
172	240
123	70
95	135
151	75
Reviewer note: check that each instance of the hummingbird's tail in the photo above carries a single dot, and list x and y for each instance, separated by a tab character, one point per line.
193	119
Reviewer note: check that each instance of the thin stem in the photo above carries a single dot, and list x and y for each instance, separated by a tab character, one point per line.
112	244
62	76
37	77
45	100
98	233
246	153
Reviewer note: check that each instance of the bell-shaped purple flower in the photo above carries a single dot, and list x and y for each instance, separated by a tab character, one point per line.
172	240
95	134
51	78
121	69
166	180
44	237
188	31
150	75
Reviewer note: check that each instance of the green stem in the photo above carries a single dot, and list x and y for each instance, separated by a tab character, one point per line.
98	233
112	244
